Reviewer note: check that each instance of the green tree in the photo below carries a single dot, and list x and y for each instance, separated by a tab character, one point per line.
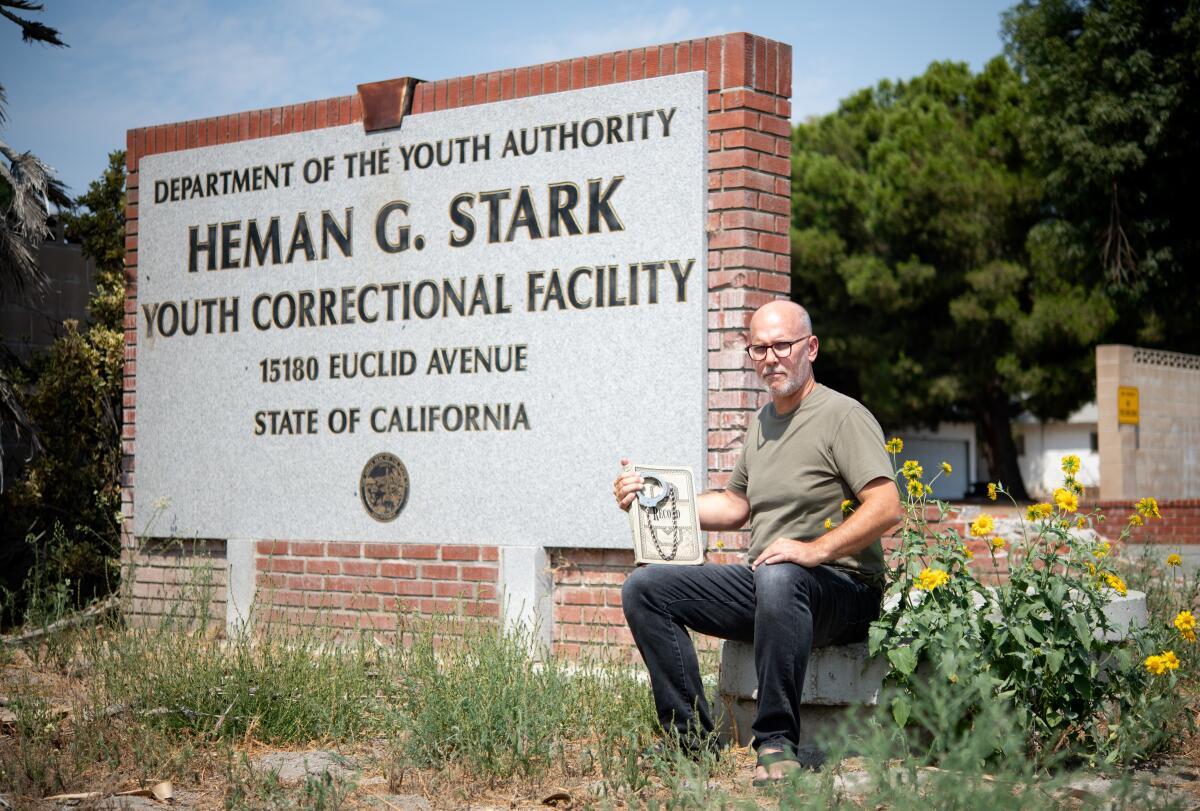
1114	90
100	228
917	243
69	497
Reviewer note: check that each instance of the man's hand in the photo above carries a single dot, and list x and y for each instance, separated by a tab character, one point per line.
719	510
879	509
786	550
627	485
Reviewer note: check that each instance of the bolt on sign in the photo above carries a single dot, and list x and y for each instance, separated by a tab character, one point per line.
447	331
1127	405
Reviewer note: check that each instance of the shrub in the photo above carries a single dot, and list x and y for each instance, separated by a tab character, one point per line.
1040	641
67	502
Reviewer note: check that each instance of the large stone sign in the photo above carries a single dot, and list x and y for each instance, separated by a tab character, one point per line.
447	331
376	366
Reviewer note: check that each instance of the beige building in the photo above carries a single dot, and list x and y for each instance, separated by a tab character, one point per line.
1149	423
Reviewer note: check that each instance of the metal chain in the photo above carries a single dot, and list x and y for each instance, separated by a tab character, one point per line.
674	531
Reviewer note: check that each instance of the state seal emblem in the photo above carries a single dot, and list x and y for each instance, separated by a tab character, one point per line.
383	486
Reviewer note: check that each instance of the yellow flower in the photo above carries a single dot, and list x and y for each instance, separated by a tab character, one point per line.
1067	501
1091	567
997	542
847	506
983	526
1190	636
1070	464
1174	560
1036	512
1081	522
930	579
1148	508
946	468
1102	550
967	553
912	470
894	445
915	488
1158	665
720	544
1184	621
1135	520
828	524
991	491
1116	584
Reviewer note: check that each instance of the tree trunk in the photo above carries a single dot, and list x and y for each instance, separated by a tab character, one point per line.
994	424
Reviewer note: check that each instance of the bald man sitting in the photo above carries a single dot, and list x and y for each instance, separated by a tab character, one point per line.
803	586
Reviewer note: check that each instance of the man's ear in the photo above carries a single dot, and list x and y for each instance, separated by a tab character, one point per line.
814	345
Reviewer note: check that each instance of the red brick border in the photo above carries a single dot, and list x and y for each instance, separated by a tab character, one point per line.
749	263
1179	525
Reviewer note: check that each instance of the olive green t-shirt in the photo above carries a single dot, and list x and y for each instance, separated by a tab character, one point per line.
796	469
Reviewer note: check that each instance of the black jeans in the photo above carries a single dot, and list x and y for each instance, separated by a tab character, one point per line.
784	609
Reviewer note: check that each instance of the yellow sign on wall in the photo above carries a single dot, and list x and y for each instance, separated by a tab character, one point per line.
1127	405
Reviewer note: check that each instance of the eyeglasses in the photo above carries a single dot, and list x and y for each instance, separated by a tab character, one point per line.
781	349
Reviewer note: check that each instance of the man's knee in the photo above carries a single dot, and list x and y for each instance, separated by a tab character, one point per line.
779	588
637	593
781	578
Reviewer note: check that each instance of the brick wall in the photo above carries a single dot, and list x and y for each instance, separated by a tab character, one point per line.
183	577
367	585
749	87
1179	526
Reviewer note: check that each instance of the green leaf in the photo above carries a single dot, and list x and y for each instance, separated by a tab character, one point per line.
901	709
903	659
1054	660
875	638
1083	631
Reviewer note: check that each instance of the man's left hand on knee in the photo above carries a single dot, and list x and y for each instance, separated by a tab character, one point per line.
787	550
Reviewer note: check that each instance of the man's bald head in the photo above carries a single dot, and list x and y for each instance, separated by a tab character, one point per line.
775	329
787	314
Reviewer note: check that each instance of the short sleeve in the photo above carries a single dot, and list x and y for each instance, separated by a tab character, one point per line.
738	480
858	450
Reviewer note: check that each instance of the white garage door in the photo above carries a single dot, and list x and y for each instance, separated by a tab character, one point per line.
931	453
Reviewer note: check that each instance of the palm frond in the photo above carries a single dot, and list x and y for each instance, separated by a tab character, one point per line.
29	188
31	30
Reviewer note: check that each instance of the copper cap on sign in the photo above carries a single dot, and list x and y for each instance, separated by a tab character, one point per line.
386	103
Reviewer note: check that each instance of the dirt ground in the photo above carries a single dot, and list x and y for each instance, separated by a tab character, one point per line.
218	775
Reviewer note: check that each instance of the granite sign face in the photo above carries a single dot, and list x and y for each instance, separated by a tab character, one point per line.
443	333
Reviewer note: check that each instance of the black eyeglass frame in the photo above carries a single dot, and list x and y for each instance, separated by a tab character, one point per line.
775	347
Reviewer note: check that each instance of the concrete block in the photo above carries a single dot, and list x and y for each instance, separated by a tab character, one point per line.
240	587
526	590
1126	612
837	675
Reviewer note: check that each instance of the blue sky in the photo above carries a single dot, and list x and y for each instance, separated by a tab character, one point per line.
137	62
